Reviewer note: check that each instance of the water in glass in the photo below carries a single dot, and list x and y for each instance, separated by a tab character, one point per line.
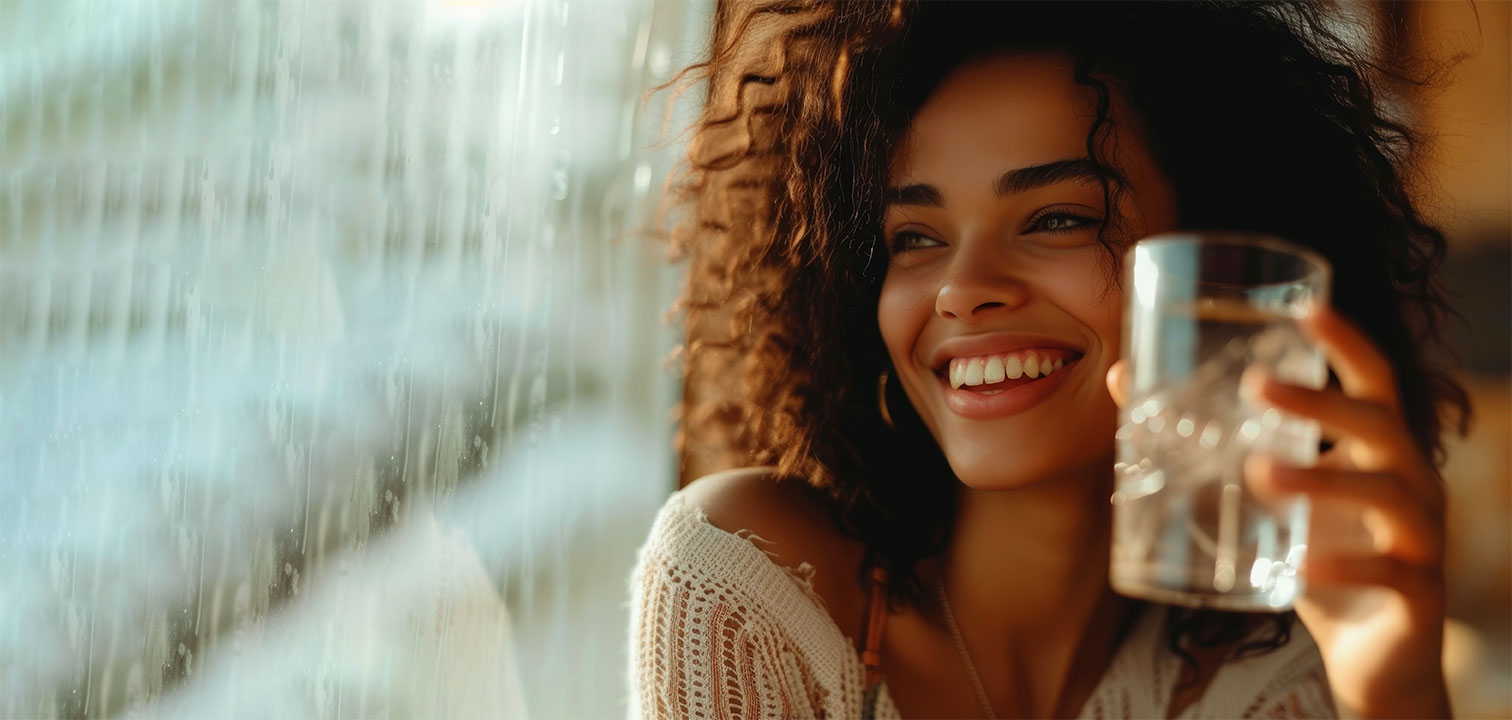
1187	531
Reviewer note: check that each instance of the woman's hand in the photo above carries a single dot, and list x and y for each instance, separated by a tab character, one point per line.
1377	613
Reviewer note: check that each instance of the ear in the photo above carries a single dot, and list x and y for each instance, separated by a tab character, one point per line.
1118	382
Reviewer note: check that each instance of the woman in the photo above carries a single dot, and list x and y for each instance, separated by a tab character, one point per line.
879	190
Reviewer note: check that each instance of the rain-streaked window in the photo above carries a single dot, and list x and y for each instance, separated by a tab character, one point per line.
331	352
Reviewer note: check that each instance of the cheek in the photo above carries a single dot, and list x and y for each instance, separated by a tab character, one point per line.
1109	311
1088	291
902	311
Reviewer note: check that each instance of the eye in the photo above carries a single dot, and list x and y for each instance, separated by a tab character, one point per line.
907	240
1061	220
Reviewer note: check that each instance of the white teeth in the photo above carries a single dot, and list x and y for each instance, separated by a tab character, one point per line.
974	372
992	369
1014	367
993	373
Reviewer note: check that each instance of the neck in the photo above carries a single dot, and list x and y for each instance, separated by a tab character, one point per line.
1032	553
1026	573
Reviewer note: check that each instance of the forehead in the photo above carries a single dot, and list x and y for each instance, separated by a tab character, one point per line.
998	113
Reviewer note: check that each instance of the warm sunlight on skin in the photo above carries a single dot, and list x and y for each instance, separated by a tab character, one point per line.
992	225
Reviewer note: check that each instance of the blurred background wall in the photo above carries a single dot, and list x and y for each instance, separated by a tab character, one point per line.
331	351
1469	115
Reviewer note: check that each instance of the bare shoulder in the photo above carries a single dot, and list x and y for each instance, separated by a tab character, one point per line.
794	521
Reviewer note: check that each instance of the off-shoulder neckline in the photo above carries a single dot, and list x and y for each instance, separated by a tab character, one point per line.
804	610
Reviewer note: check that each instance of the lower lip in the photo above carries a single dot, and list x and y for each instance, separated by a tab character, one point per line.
1009	401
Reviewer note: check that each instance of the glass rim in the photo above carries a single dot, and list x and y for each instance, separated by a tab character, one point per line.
1315	261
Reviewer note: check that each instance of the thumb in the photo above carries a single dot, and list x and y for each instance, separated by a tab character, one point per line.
1118	382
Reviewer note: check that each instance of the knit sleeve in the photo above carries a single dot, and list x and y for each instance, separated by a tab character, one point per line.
695	654
718	631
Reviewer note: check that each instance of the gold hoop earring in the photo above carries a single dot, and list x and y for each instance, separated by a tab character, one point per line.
882	401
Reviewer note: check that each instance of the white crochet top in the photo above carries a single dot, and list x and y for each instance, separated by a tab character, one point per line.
718	630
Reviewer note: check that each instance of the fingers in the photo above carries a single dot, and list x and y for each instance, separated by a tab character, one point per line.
1364	372
1410	579
1409	525
1118	382
1339	414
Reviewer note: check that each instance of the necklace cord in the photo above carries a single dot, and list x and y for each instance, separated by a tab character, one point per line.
960	643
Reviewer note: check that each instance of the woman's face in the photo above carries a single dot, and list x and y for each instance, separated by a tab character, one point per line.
996	273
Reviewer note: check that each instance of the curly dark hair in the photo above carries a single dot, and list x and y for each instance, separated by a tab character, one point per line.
1263	116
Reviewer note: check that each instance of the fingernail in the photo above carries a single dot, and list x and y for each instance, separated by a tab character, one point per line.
1315	317
1252	383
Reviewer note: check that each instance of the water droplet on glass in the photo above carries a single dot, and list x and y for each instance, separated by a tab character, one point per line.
1259	573
1211	434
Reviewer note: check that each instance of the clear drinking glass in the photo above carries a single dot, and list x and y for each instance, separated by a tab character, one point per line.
1199	310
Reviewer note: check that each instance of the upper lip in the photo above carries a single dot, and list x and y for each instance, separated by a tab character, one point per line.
992	344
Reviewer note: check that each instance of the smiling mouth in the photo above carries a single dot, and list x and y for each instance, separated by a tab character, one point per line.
992	374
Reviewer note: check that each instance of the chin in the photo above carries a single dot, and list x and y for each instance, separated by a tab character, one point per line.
1010	466
1022	451
1008	473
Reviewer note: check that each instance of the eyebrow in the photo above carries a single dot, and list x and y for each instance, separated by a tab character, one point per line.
1014	181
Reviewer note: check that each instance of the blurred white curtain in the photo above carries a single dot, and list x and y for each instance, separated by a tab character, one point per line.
331	352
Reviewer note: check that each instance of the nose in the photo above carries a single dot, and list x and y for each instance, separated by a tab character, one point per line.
977	285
